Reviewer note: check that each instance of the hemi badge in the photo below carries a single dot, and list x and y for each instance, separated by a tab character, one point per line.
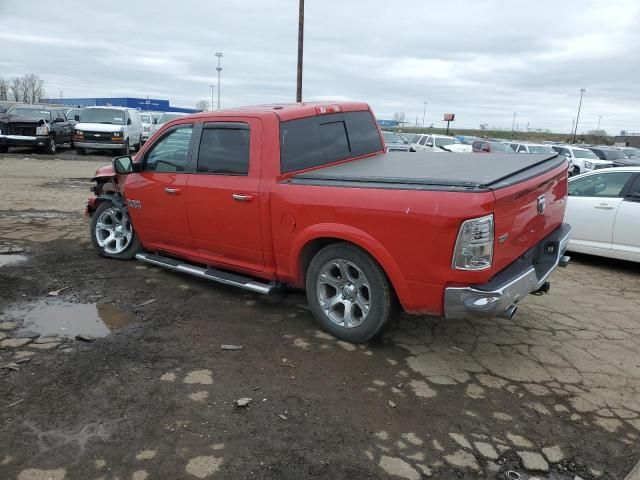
503	238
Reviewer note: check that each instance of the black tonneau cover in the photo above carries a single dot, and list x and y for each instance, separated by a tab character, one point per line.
427	170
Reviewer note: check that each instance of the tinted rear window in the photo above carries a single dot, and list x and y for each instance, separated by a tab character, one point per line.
314	141
224	151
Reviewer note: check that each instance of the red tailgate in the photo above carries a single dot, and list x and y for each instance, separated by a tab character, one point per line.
519	224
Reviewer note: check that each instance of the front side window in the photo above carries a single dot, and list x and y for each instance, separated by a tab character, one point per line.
170	153
423	140
522	148
601	185
224	151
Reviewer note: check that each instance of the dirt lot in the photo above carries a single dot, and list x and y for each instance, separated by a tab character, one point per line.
555	392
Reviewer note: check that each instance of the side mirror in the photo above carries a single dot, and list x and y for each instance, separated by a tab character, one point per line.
128	121
76	118
123	165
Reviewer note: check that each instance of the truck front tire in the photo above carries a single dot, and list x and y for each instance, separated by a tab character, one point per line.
112	233
349	293
51	147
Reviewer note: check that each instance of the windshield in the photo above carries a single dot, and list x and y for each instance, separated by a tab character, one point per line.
440	142
501	147
102	115
71	114
411	137
613	154
145	118
167	117
541	149
30	112
584	154
390	137
632	152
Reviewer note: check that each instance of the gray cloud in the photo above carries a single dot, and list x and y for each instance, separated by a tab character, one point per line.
482	59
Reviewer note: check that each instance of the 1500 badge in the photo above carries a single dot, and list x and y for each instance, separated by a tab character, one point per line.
134	204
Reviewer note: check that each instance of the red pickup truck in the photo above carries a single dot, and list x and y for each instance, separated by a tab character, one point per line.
304	196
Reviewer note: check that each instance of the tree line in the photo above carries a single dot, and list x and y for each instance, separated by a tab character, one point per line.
26	89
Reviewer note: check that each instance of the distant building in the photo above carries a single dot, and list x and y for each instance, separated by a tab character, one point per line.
152	104
387	123
629	139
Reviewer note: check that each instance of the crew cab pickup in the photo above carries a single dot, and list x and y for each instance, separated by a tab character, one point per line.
305	196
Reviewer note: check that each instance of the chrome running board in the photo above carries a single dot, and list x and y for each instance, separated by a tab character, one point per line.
209	273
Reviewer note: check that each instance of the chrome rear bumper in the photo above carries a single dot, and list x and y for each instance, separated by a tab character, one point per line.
498	298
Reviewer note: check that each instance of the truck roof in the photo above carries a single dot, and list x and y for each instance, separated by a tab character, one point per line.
287	111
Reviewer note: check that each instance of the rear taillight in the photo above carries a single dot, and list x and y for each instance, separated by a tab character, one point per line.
474	246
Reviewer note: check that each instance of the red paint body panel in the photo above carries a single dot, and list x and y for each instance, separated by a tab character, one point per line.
411	233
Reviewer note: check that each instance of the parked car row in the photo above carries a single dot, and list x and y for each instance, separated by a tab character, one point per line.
48	127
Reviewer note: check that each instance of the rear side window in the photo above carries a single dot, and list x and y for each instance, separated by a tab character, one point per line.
314	141
224	151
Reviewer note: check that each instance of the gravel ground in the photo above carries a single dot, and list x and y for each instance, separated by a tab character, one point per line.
553	393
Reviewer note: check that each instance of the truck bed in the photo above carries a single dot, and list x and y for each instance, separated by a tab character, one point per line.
434	171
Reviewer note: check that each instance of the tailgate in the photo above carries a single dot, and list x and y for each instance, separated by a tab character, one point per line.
527	212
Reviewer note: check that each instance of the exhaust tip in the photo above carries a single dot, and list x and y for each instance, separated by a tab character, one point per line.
510	312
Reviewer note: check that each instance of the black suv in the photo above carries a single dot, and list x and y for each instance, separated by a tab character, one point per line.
36	126
618	157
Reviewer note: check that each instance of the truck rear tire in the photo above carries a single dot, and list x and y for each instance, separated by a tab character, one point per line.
112	233
349	293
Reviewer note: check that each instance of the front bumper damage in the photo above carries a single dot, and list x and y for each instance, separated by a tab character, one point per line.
499	296
23	141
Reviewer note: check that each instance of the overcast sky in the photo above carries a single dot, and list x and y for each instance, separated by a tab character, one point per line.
480	59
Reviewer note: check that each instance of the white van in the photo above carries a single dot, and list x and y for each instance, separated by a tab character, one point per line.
117	129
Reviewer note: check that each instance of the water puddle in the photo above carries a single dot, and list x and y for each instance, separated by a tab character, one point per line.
11	259
64	319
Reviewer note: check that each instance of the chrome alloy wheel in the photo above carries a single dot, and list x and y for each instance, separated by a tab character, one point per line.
113	231
344	293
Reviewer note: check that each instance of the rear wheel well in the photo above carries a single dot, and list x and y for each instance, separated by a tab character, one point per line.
313	247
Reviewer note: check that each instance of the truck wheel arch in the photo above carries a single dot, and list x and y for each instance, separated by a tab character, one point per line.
317	237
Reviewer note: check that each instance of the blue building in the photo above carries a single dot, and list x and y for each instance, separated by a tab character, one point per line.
152	104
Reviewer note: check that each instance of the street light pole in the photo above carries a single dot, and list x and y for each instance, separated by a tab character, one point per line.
300	50
513	123
424	113
598	129
575	131
219	69
212	87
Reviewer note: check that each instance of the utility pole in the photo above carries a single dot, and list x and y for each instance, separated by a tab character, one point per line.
212	87
575	130
219	69
424	113
513	123
598	129
300	50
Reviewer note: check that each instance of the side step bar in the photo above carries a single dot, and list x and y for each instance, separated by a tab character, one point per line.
209	273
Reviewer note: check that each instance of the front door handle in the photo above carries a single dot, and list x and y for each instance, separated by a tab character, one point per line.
172	191
604	206
241	197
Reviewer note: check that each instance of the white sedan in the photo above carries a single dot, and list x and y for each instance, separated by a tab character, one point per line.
603	210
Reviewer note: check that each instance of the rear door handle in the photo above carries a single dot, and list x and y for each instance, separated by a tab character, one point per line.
172	191
604	206
241	197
